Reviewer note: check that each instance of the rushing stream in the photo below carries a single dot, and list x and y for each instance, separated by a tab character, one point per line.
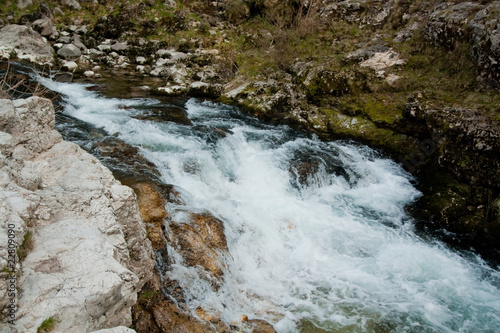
317	233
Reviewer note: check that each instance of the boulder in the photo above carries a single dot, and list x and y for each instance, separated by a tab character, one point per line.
201	241
44	26
152	209
26	44
69	52
78	43
88	254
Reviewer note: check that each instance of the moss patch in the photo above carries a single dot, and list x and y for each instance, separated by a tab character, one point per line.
26	246
48	325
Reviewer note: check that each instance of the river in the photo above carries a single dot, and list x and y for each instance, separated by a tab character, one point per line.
318	236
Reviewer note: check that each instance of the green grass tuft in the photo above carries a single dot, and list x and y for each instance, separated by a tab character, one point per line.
48	325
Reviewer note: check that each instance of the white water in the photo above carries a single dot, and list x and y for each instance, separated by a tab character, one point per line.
335	251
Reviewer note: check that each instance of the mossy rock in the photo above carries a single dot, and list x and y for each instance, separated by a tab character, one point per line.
366	131
326	83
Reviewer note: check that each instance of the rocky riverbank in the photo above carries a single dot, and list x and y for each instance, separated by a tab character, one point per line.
416	79
79	252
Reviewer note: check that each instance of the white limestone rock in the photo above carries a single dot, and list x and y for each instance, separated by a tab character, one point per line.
383	60
26	44
70	66
90	255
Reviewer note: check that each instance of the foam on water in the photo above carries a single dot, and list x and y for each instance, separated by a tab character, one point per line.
330	248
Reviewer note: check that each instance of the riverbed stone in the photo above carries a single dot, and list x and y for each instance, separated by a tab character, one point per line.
45	27
70	65
201	241
69	52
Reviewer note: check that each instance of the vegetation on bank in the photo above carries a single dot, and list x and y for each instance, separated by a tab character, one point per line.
257	37
294	42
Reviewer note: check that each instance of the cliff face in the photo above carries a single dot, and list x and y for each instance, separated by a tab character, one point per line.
78	242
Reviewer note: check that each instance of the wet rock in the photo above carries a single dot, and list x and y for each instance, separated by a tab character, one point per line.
152	209
156	315
200	240
468	141
69	52
122	158
166	113
63	77
320	82
260	326
26	43
211	134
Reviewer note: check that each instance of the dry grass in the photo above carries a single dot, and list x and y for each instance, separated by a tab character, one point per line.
14	86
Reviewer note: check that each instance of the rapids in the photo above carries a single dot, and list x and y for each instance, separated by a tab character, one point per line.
318	236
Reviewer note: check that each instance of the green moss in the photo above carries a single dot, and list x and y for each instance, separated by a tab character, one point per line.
26	246
367	131
148	295
48	325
